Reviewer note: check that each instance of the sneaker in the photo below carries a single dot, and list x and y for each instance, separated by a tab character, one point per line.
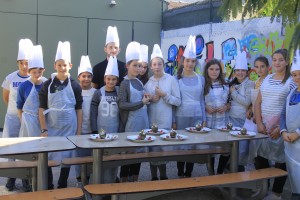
10	185
163	178
272	196
154	179
26	185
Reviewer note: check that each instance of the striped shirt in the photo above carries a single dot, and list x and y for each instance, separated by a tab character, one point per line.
274	94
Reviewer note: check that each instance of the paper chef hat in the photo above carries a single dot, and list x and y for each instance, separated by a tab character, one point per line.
112	67
85	65
296	62
190	49
25	45
241	61
133	51
63	51
36	57
144	53
112	36
156	52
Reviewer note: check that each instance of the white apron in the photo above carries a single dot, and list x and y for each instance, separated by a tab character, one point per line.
30	125
251	126
87	96
272	149
216	98
61	116
189	113
292	150
108	114
138	119
12	122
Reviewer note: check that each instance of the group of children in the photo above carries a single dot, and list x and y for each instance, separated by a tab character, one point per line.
97	102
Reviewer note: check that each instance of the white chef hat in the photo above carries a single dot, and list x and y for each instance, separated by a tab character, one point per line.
156	52
190	49
112	67
133	51
25	45
144	53
63	51
296	62
112	36
36	57
241	61
85	65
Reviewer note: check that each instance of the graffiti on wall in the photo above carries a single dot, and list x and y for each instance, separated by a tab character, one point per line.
253	44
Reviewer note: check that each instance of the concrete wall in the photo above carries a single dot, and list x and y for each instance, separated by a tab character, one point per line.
83	23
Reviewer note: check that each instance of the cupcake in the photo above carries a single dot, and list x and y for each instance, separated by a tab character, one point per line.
102	134
142	135
229	126
198	127
244	131
154	128
173	133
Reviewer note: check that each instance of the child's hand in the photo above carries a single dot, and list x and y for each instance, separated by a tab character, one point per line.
249	113
159	92
275	133
222	109
210	110
261	128
293	136
155	98
285	137
146	99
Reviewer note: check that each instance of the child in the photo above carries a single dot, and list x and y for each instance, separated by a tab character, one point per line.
143	76
132	104
216	93
60	111
112	48
261	67
85	75
105	111
290	130
164	91
28	95
240	93
10	88
268	107
192	108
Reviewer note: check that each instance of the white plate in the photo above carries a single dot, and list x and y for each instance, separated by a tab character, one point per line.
179	137
238	134
193	130
160	131
109	137
133	138
224	129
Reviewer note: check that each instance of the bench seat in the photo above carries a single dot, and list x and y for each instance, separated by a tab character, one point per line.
185	183
65	193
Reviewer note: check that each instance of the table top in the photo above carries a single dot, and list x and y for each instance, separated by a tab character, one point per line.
214	136
25	145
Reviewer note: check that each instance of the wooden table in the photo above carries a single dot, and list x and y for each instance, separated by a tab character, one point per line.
214	136
39	145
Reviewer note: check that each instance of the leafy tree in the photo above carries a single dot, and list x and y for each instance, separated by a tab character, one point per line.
287	10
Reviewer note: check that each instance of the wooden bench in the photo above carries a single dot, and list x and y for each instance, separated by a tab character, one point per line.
121	159
186	183
29	167
65	193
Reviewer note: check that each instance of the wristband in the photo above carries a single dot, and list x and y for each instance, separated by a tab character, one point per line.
44	130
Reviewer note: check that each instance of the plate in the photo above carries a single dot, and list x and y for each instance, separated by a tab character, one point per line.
179	137
238	134
224	129
193	130
160	131
109	137
133	138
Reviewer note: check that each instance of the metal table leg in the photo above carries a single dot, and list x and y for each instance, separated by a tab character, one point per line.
97	169
234	162
42	171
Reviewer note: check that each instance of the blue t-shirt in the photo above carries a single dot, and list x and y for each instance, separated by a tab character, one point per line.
24	91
